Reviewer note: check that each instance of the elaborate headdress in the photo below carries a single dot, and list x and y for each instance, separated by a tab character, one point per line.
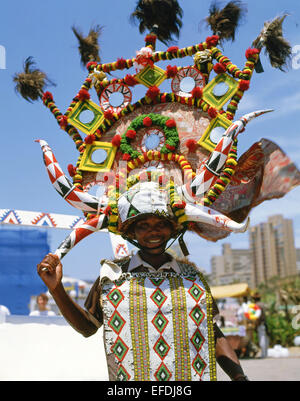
184	141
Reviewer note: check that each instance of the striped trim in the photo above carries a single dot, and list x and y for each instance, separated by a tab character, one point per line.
139	330
211	338
180	326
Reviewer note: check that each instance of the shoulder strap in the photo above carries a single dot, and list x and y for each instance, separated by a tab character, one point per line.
186	264
123	263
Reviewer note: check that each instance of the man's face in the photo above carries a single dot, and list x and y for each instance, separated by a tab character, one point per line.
152	233
42	303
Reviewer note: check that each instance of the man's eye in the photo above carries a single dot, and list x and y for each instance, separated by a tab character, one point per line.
142	227
163	225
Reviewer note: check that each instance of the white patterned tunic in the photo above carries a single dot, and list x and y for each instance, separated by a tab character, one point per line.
158	326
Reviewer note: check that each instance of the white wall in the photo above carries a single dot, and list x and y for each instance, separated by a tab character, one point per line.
34	348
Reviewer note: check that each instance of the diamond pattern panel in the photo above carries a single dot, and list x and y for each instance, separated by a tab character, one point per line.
197	315
158	297
161	347
197	340
120	349
163	373
116	322
196	292
115	297
199	365
160	321
122	374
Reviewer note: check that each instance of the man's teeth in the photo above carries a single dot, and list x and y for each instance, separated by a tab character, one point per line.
154	241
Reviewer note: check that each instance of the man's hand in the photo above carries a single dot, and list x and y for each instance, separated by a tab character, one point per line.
50	271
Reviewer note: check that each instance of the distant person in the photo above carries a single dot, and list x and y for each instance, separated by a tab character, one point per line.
42	304
246	328
261	326
4	310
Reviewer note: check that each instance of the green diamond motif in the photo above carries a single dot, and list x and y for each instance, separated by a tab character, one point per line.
196	292
151	76
115	297
160	321
198	340
119	349
197	315
122	374
156	281
190	278
199	365
161	347
116	322
162	373
158	297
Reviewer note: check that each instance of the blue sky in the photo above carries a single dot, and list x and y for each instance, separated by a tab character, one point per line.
43	30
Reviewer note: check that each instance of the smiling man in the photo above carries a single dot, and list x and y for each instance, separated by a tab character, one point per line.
158	312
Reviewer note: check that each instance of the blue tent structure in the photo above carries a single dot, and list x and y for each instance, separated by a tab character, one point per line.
20	251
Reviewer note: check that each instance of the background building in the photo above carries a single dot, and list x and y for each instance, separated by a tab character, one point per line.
273	248
233	266
271	253
298	260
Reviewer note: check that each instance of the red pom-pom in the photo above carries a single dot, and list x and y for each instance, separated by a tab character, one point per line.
150	38
91	64
212	40
173	49
109	115
147	122
63	121
71	170
121	63
107	210
180	205
130	80
170	147
212	112
83	94
197	92
171	123
153	92
244	85
116	141
126	156
219	68
191	144
47	96
172	71
251	52
89	139
131	133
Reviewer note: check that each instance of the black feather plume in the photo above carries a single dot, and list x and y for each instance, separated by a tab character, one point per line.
162	17
31	82
88	46
276	46
224	22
